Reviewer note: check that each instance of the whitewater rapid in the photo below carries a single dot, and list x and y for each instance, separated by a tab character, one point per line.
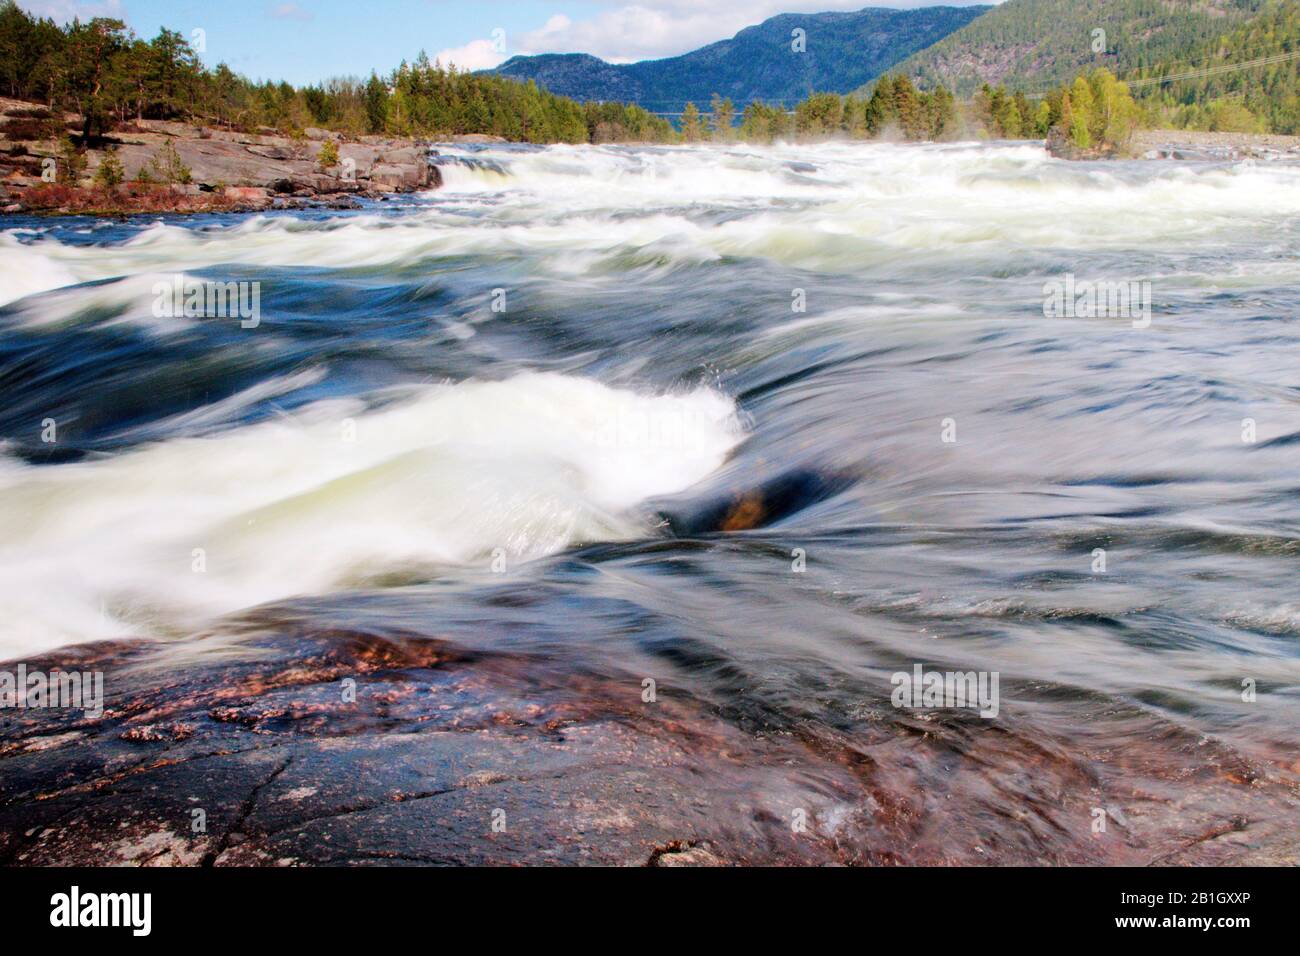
386	421
836	208
160	539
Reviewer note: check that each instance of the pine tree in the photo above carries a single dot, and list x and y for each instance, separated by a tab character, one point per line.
110	173
376	99
942	110
1043	119
907	107
880	112
692	124
722	116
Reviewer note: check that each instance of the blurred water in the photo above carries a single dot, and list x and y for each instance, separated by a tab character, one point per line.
388	450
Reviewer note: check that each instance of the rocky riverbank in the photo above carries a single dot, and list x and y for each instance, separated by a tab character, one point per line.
309	748
1194	144
1181	144
219	170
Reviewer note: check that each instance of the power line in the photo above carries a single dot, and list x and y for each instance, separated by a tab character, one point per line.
953	81
1216	70
703	112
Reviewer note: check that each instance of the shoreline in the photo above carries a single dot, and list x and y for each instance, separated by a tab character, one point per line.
1210	146
231	172
204	169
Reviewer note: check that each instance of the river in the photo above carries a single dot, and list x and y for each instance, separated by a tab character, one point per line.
765	426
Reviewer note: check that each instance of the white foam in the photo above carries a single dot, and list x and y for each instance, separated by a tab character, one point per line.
26	270
448	475
578	204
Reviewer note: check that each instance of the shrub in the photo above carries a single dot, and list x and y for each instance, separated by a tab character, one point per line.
328	155
72	162
1232	116
167	167
110	172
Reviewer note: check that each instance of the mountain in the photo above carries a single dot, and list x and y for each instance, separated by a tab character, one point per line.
1033	45
842	51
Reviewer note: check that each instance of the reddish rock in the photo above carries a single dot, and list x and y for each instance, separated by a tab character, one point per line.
334	748
248	193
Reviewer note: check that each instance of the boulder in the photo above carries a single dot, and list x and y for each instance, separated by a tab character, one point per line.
406	155
316	182
363	157
392	177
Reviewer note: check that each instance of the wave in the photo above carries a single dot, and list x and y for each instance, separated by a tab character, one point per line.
167	536
836	207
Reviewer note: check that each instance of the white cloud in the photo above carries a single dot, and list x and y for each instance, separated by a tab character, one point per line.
62	11
289	11
475	55
656	28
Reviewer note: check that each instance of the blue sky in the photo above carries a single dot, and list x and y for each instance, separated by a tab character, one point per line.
306	41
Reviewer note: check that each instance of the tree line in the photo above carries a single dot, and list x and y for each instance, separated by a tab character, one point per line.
100	70
1096	111
1261	99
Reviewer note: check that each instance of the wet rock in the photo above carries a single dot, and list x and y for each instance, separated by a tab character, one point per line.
340	202
680	853
349	748
771	500
1059	146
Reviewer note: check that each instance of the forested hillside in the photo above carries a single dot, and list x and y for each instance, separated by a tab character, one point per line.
1263	98
1033	45
100	70
838	53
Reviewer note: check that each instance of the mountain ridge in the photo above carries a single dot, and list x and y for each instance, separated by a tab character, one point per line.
1034	44
843	50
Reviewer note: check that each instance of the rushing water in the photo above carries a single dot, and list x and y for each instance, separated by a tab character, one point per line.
573	406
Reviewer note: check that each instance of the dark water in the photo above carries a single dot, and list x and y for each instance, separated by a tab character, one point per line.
648	463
